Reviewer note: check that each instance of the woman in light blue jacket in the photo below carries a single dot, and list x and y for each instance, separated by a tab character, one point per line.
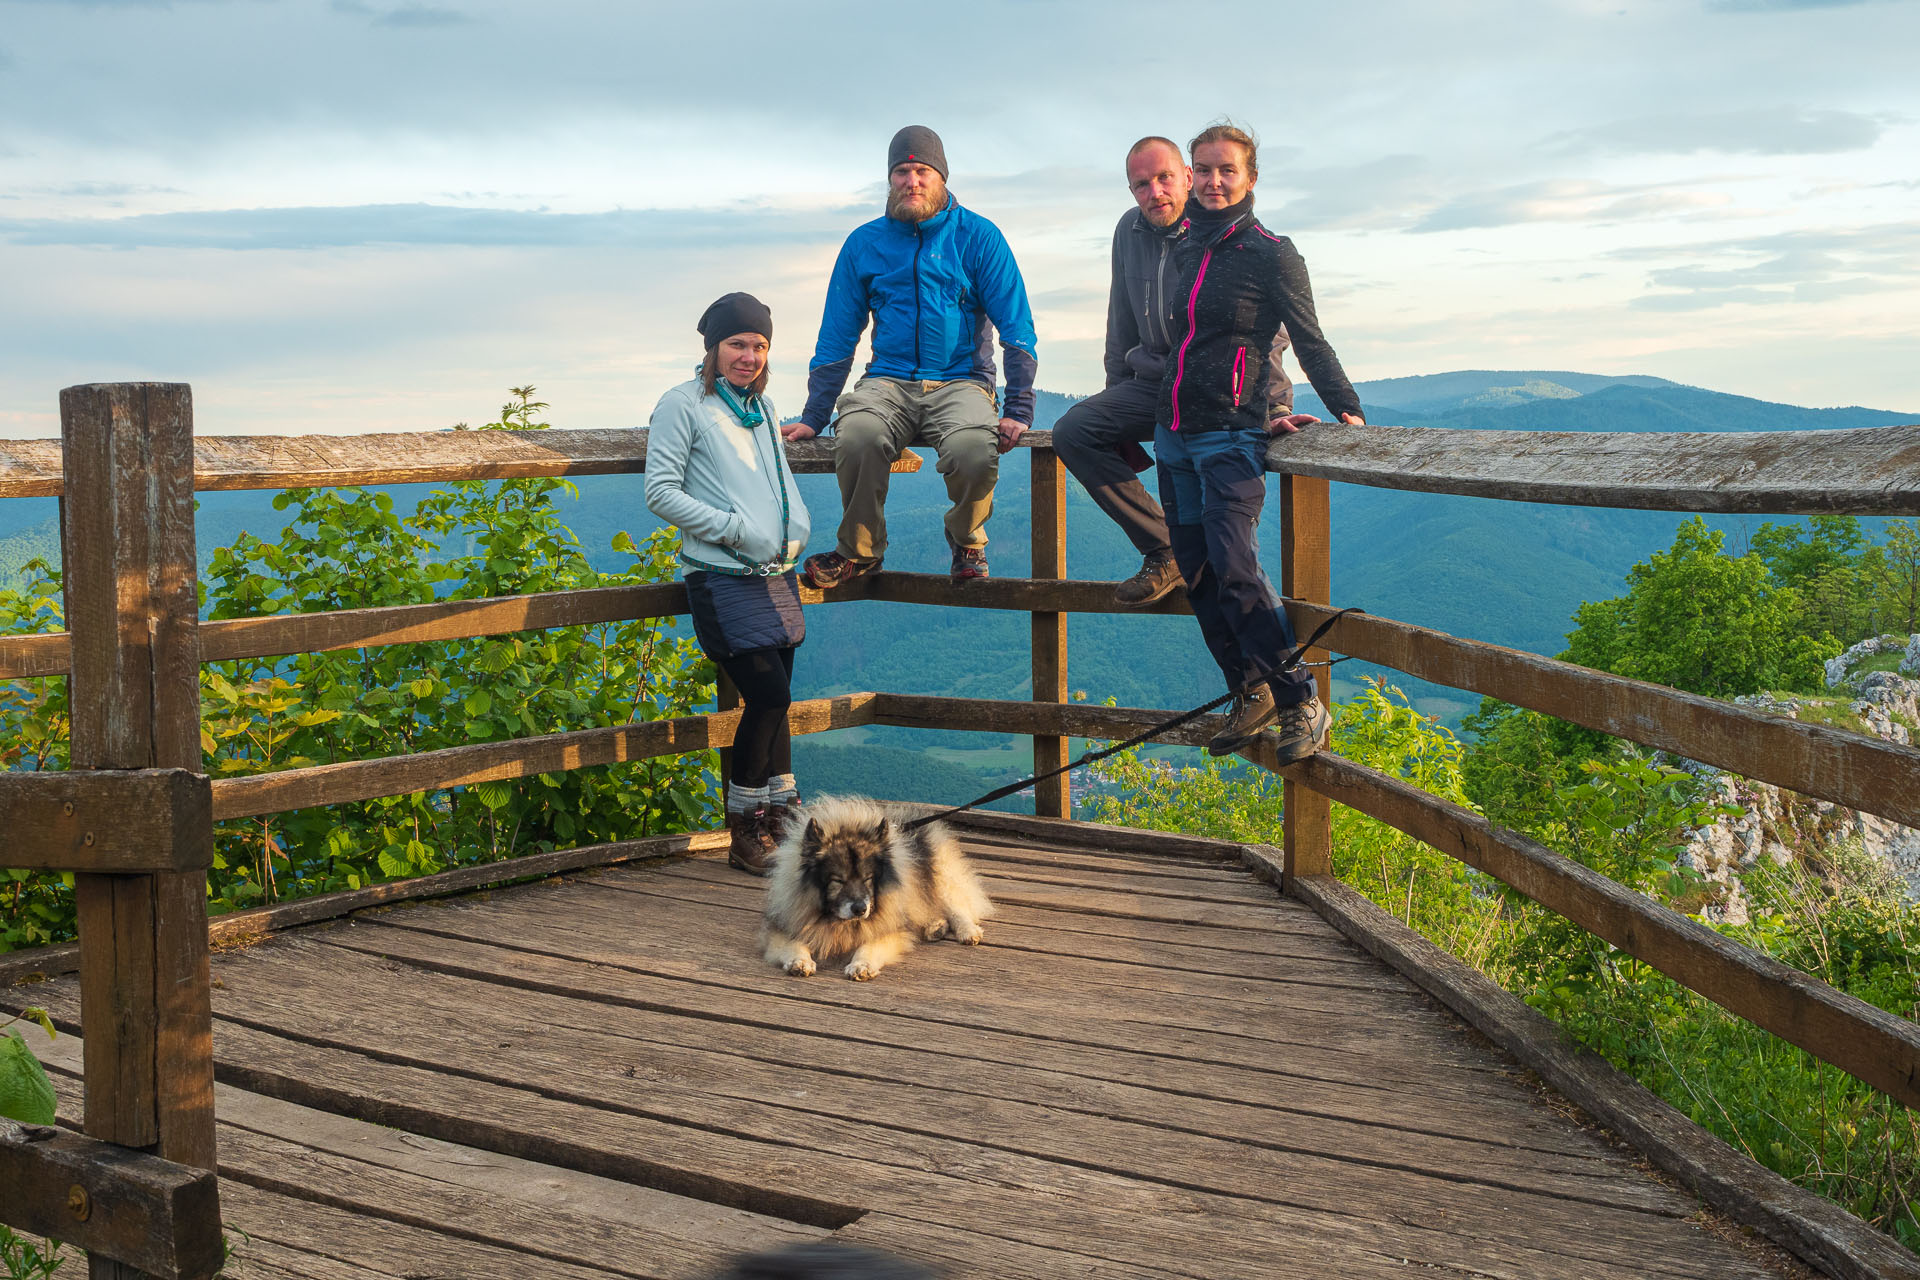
717	469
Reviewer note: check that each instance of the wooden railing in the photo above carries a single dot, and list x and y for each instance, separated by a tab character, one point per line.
126	471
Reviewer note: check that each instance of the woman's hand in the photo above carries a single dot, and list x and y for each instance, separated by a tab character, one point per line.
797	431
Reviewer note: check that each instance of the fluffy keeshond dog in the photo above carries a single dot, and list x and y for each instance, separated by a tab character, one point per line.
853	880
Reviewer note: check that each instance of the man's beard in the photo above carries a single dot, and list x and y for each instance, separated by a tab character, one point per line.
916	207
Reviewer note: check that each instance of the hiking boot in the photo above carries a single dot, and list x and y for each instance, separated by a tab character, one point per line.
1300	730
751	845
782	817
969	563
1158	575
1251	712
830	569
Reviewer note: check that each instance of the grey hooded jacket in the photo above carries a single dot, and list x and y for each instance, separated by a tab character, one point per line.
1141	307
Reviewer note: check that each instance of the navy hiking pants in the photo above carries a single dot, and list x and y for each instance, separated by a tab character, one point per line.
1212	484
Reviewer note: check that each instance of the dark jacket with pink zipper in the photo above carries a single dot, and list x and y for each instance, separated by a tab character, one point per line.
1238	284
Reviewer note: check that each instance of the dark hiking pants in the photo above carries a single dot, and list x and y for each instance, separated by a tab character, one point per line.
1213	484
1086	438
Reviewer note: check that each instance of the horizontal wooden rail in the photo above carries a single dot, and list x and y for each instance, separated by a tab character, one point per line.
263	793
107	821
1863	471
31	468
161	1218
278	635
290	633
1851	769
1867	1043
28	657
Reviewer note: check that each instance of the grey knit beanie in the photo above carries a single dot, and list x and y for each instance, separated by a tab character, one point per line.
919	145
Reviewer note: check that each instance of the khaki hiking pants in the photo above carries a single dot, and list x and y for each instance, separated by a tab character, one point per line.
878	419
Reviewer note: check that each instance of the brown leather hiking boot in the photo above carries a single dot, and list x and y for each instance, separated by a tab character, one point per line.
830	569
1249	713
1300	730
1158	576
751	845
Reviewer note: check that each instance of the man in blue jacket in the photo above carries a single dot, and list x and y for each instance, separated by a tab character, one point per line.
937	280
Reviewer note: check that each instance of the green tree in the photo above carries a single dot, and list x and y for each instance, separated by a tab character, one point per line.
1897	576
1697	619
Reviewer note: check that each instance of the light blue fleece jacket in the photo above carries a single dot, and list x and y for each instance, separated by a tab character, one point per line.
721	484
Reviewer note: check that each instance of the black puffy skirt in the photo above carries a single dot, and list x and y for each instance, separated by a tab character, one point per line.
735	614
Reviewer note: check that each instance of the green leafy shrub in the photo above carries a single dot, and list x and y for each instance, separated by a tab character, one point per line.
352	548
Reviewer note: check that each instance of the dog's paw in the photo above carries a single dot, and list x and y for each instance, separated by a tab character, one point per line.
970	935
801	967
935	931
862	970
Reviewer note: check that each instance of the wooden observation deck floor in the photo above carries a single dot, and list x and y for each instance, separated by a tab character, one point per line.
1155	1067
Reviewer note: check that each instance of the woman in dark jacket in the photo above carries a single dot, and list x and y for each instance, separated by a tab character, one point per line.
717	469
1239	284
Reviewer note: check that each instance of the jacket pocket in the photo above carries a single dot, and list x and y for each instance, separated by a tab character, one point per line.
1239	374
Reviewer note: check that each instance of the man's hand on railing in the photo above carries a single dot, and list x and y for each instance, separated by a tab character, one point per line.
795	432
1010	433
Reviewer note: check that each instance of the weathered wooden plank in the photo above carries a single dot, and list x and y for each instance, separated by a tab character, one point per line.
256	1258
1862	471
35	656
241	927
1866	1042
1810	1226
132	607
945	985
391	1246
158	1216
636	978
928	1090
31	468
1230	1003
1049	630
610	1123
282	634
1306	574
108	821
1020	595
1513	1233
256	794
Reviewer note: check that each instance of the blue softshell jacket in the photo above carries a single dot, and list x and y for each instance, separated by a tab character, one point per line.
937	291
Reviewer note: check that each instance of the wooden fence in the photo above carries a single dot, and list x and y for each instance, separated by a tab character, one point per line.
134	819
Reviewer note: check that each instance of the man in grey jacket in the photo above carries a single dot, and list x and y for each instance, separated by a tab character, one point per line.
1099	438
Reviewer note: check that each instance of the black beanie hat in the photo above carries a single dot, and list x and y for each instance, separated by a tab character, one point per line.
735	313
920	145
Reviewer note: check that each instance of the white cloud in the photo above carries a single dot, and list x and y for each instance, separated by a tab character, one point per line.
1766	131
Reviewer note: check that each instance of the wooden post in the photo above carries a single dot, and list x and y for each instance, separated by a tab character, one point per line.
133	612
1306	573
1051	799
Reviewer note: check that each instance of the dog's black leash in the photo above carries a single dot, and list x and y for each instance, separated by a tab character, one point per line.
1184	718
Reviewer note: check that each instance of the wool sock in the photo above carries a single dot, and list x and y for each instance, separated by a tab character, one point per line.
782	789
745	799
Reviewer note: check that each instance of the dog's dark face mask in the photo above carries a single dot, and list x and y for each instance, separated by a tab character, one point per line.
848	869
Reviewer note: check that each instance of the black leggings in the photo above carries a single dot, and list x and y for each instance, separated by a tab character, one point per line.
762	745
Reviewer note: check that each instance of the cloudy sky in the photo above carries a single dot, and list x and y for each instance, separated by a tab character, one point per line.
353	215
